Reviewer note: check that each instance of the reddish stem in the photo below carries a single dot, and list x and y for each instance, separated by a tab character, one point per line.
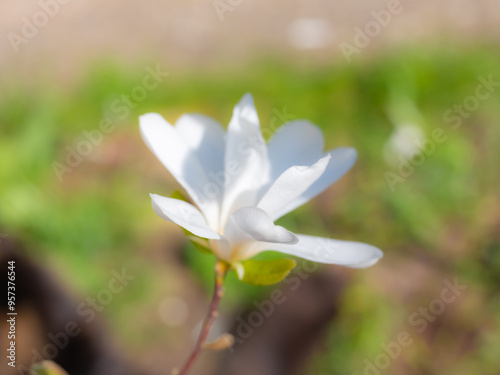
220	272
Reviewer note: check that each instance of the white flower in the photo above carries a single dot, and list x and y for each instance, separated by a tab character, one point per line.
241	185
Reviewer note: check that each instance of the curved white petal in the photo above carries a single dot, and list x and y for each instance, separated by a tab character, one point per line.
342	159
205	137
222	248
245	109
325	250
183	214
253	224
178	157
298	142
291	185
246	162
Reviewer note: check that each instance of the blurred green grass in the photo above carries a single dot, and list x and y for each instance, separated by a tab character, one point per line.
99	217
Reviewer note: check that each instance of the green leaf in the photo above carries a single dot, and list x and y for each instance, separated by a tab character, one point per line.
47	368
265	272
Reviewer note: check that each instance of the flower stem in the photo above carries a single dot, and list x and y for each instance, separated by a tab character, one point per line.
221	269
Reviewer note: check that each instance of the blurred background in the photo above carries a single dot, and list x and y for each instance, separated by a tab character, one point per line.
105	286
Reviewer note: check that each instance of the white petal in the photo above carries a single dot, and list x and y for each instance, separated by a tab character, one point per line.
291	185
205	137
325	250
246	110
298	142
183	214
246	162
342	159
177	156
251	223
